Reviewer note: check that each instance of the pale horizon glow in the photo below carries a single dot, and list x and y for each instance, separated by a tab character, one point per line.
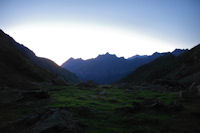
59	42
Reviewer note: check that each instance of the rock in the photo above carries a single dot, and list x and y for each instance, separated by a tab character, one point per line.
93	96
148	102
137	106
59	81
195	114
113	101
106	86
158	106
191	93
192	88
127	109
172	107
172	83
175	106
129	91
35	95
49	121
102	93
88	84
181	94
81	98
198	90
84	111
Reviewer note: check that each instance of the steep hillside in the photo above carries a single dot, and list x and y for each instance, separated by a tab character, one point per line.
55	69
19	66
184	69
108	68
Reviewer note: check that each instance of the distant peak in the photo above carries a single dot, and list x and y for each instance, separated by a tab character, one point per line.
107	53
156	53
177	52
74	60
71	58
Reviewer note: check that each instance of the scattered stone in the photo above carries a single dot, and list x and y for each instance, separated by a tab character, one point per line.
195	114
84	111
93	96
129	91
35	95
59	81
106	86
198	90
88	84
192	87
172	83
137	106
151	105
49	121
175	106
192	92
158	106
102	93
113	101
81	98
127	109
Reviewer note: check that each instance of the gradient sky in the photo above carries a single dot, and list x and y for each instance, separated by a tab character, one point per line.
60	29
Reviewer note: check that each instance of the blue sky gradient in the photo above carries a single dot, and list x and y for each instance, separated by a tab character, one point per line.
169	20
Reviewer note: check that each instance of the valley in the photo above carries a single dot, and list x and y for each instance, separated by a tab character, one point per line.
39	96
114	109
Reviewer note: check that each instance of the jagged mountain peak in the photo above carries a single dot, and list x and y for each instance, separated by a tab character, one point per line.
107	55
107	68
177	52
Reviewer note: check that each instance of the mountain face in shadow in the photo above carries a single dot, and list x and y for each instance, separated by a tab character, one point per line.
183	69
20	66
108	68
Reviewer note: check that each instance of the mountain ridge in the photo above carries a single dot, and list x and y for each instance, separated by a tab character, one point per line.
108	68
19	65
183	69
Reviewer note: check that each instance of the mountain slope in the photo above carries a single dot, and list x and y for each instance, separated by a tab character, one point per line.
19	65
183	69
108	68
55	69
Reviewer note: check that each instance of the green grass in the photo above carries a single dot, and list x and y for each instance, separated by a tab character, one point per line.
104	119
99	113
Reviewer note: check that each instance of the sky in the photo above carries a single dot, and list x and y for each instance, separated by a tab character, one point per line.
60	29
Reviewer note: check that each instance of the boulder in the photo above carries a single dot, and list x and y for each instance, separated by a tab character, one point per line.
175	106
84	111
60	82
35	95
158	106
88	84
125	110
48	121
102	93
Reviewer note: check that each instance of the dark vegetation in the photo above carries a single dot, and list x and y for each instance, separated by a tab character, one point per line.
115	109
19	66
183	69
37	96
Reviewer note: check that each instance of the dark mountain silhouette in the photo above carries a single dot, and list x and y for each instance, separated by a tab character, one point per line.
108	68
137	56
19	65
183	69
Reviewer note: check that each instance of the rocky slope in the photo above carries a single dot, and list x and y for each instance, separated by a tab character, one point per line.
108	68
183	69
19	66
